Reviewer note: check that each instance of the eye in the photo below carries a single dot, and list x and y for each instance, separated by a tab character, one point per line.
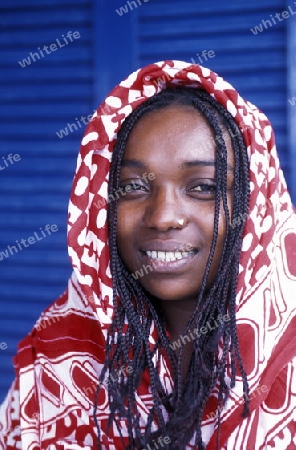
133	187
203	189
137	187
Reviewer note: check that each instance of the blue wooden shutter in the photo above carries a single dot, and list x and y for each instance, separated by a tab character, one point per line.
41	99
37	101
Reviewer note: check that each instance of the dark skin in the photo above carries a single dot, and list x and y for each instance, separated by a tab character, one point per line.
170	144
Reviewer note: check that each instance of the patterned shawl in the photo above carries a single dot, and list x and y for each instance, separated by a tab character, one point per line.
50	404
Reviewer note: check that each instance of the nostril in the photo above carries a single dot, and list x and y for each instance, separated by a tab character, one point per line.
165	215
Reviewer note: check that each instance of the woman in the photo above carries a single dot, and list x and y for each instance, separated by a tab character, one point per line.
177	328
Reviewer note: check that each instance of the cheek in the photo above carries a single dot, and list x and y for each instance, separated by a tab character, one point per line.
126	226
122	226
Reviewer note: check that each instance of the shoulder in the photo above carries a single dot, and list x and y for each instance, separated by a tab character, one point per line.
57	365
272	424
67	325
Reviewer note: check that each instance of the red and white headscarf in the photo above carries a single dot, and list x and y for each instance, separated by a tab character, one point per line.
50	405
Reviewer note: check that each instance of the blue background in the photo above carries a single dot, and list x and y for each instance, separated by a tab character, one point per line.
39	100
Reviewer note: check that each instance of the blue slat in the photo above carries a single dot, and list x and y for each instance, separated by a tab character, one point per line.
42	74
67	111
68	17
165	8
33	257
46	278
42	91
49	127
28	37
198	24
234	61
36	3
35	201
69	54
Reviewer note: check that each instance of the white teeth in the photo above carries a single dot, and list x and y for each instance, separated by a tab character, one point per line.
168	256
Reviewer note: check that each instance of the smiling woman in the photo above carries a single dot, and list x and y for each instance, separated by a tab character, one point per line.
190	202
198	352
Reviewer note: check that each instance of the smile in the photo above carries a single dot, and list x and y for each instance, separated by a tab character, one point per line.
168	256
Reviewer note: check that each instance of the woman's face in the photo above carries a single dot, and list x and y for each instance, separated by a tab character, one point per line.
169	164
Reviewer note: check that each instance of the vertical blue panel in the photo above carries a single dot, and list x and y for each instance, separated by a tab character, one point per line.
291	102
51	92
114	45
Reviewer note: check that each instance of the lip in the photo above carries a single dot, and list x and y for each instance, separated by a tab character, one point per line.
168	266
167	246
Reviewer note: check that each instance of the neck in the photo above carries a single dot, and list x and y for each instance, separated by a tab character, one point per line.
177	314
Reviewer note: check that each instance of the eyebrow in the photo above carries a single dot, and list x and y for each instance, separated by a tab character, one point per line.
135	163
203	163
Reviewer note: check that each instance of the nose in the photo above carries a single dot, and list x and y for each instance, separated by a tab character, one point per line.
164	210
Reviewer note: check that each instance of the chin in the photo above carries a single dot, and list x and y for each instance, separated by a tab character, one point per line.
168	292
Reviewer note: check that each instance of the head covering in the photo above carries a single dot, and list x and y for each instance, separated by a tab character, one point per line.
58	364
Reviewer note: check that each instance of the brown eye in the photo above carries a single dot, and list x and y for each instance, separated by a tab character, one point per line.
204	188
134	187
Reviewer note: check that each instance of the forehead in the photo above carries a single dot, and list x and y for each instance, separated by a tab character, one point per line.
173	135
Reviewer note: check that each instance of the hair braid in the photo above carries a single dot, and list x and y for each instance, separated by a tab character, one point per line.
128	335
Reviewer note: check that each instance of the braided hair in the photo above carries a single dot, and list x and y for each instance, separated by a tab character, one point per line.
216	353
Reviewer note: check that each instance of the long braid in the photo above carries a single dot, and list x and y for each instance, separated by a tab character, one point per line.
186	404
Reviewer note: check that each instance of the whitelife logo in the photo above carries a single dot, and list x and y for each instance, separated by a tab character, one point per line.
184	339
11	250
267	23
131	5
123	191
73	126
11	158
53	48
